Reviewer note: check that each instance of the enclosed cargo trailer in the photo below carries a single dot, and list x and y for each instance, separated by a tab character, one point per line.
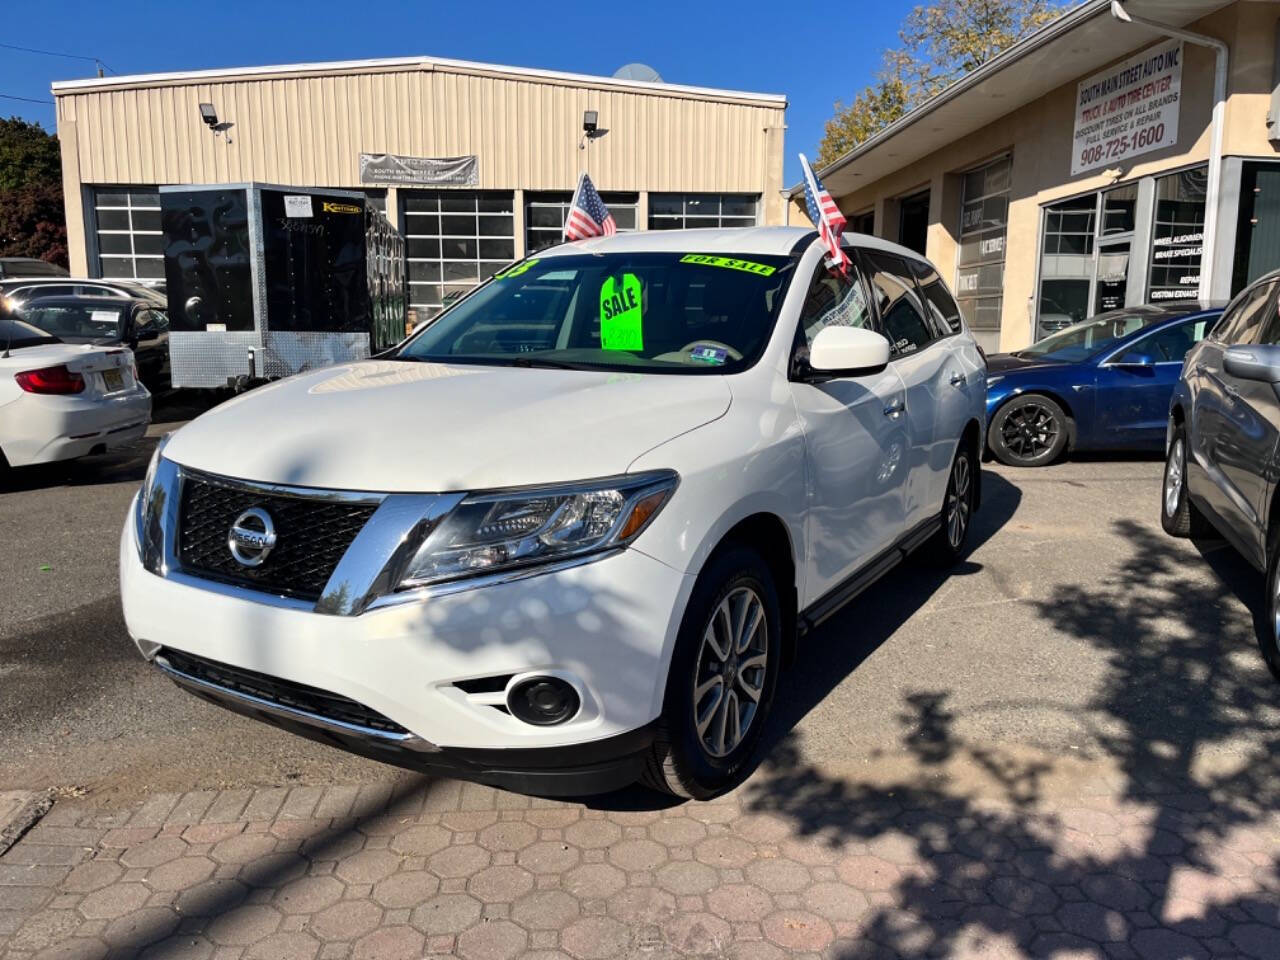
266	281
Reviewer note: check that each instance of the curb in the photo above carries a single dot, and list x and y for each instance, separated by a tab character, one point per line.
28	806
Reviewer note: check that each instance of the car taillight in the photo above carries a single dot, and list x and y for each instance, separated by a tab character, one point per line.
50	380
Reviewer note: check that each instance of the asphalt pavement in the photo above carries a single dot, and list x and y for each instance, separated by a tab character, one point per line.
1076	637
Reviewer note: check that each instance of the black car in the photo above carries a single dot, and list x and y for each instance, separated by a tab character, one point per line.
137	323
1223	458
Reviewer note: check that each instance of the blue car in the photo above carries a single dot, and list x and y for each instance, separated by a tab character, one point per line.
1104	383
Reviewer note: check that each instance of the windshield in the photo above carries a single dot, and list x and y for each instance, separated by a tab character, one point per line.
14	334
94	321
1084	339
651	312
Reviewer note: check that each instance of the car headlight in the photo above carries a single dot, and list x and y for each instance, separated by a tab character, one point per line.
507	530
146	494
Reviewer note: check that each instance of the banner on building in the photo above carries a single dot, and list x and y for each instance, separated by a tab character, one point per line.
1129	109
394	169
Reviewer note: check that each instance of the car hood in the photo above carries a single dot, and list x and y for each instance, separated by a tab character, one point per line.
1003	364
403	427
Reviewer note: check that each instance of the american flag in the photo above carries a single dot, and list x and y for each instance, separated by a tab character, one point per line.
588	216
824	213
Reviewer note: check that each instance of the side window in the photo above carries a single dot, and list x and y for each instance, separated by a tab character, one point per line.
942	307
833	300
900	313
1171	344
1241	321
1271	325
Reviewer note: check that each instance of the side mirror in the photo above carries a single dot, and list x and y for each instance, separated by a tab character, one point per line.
848	352
1253	363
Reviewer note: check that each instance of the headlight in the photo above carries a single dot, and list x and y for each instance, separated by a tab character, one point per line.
506	530
146	493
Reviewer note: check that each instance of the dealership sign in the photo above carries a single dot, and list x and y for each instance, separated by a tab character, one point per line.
1129	109
390	168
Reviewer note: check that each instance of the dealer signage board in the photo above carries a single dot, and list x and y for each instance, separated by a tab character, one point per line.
1128	109
394	169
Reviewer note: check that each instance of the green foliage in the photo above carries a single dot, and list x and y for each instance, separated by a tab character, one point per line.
940	43
32	220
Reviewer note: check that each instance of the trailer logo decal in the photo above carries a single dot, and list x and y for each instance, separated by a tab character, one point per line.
330	207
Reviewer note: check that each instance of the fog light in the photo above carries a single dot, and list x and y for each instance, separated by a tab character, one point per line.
543	701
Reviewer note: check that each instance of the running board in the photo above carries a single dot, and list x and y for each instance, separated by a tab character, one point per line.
830	603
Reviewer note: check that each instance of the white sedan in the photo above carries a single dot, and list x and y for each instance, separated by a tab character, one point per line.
60	400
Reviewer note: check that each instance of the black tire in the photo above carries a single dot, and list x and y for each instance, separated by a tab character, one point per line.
1028	431
681	761
1178	515
949	544
1268	632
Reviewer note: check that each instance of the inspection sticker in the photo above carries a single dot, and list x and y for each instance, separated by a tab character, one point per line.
709	354
515	271
621	321
760	269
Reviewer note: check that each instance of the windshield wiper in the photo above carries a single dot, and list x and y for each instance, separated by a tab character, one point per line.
527	361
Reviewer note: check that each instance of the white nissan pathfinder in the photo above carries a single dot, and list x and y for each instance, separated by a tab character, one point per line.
565	536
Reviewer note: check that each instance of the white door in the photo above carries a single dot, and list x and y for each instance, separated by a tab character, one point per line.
937	385
856	445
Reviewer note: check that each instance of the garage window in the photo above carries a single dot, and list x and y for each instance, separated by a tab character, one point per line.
980	275
453	240
126	224
545	213
675	211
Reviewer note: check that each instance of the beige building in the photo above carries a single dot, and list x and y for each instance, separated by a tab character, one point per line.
673	155
1101	162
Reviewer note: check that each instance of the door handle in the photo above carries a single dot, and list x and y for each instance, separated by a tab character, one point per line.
958	380
894	409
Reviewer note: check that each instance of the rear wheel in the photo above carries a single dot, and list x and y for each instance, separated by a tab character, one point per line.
948	545
722	678
1178	515
1028	431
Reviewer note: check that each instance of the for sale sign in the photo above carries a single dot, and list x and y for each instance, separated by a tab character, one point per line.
1129	109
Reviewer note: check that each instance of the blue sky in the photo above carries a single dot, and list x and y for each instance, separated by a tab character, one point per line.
748	45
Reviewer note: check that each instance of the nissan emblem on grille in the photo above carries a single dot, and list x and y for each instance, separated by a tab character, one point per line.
252	536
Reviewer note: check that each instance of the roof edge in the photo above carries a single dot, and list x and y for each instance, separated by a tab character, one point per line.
1028	44
90	84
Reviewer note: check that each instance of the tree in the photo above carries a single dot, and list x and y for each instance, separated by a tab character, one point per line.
940	43
32	218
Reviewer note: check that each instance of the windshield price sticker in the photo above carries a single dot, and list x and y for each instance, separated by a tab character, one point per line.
621	321
759	269
515	271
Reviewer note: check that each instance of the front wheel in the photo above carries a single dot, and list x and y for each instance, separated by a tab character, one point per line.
1028	431
1269	632
722	678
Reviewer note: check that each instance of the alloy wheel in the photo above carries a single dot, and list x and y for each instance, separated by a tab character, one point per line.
1173	473
1029	430
959	503
729	672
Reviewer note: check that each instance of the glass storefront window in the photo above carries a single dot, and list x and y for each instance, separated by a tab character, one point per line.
544	216
1177	239
983	222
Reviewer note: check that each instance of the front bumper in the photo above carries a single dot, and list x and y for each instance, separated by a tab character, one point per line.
608	626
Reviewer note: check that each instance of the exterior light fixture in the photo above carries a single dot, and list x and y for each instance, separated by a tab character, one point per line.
590	121
209	115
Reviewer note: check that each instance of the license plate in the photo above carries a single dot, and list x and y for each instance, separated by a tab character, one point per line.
114	379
